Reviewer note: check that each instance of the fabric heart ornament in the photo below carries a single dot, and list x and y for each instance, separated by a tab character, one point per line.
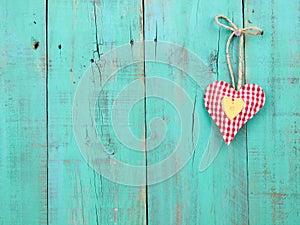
231	109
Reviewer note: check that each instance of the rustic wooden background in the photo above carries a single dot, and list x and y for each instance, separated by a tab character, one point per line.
45	48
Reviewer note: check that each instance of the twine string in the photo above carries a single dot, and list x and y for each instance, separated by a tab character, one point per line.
239	32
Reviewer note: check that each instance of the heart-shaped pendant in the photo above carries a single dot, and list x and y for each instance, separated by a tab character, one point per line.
231	109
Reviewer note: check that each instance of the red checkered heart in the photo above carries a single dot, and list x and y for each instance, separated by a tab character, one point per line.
231	116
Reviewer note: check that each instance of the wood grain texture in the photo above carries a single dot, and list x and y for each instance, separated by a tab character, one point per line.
23	151
46	180
219	194
272	61
85	30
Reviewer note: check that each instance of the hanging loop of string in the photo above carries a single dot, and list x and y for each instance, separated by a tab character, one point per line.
240	33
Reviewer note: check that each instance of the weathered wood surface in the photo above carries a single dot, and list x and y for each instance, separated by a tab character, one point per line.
23	150
85	30
273	136
45	179
218	195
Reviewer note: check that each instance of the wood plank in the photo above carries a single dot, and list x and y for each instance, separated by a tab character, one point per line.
23	154
79	33
273	135
219	194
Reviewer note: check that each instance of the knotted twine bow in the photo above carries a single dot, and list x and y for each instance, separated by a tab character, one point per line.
237	32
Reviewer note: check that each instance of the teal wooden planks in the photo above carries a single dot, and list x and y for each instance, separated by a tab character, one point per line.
85	30
253	181
23	150
273	136
219	194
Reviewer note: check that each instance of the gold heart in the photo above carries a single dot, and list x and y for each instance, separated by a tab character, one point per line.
232	107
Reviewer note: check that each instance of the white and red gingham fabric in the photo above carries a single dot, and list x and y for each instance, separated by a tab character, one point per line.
252	95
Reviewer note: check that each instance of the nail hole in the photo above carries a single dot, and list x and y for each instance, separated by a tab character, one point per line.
36	45
92	60
252	10
59	46
262	33
131	41
34	22
155	39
